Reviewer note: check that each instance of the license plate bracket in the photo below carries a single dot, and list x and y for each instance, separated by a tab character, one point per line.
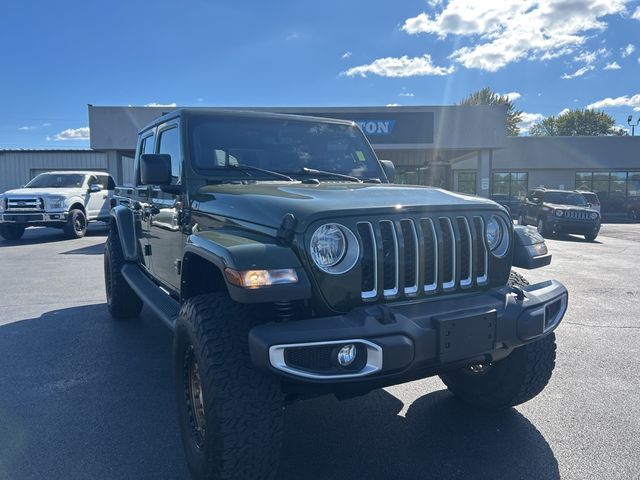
467	336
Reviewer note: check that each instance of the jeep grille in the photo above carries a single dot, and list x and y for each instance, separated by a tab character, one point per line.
577	215
407	257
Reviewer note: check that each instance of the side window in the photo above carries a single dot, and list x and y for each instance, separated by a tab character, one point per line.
93	179
170	143
106	182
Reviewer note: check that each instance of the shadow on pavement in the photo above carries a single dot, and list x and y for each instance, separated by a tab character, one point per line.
38	235
85	396
97	249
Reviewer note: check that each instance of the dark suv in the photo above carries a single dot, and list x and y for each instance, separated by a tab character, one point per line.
560	211
288	266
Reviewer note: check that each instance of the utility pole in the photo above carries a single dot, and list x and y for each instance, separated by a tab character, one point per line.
633	125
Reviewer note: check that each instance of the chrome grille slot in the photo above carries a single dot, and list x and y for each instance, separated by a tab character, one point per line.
421	256
369	261
577	215
430	260
411	257
448	253
480	252
466	252
390	260
25	204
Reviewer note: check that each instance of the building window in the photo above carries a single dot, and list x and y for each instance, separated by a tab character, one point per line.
616	190
513	184
411	175
467	181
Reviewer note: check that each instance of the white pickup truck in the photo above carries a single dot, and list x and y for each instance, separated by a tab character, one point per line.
67	200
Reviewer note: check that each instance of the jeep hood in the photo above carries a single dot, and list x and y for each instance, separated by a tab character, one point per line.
45	191
562	206
267	203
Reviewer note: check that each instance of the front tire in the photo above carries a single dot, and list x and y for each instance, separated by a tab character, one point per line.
76	226
11	232
590	237
230	413
508	382
122	301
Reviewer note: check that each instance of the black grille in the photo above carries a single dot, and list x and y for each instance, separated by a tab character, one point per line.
389	254
465	251
310	358
448	251
368	261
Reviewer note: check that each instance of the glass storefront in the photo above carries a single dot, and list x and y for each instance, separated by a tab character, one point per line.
467	181
616	190
514	185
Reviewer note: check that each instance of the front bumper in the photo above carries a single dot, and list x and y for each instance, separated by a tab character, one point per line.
574	226
392	341
33	218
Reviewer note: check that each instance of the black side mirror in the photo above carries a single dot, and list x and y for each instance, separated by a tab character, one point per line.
155	169
389	170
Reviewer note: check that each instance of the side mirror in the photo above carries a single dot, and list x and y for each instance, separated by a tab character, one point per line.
389	170
95	188
155	169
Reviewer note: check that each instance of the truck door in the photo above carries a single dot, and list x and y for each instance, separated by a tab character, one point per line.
165	235
108	186
95	200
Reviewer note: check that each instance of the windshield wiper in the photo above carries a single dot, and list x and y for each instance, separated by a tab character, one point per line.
242	166
332	174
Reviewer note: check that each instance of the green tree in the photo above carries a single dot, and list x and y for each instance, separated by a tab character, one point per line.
486	96
578	122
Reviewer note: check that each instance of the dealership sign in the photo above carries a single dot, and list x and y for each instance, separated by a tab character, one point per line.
376	127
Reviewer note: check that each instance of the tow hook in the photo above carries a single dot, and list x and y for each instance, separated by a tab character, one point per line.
520	296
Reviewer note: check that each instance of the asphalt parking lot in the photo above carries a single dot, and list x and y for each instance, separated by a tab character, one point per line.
86	397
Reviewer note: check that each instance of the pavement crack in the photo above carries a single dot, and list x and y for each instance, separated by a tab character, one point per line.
603	326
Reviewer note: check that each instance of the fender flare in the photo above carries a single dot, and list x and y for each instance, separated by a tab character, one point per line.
228	250
125	222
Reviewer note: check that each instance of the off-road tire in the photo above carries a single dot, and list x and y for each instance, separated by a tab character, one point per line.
591	237
122	301
76	226
242	405
511	381
11	232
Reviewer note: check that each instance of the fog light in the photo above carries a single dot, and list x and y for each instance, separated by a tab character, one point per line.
346	355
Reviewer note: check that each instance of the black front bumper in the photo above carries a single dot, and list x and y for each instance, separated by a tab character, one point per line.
393	341
574	226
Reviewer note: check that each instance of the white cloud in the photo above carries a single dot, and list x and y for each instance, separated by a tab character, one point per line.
512	30
155	104
346	55
563	111
81	133
578	73
199	99
26	128
632	101
46	124
513	96
590	57
628	50
528	120
393	105
612	66
293	36
406	94
400	67
636	14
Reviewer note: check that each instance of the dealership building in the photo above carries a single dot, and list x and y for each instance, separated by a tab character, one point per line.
462	148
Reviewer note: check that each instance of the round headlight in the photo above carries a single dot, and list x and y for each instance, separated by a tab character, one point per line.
334	248
497	236
559	213
494	232
594	215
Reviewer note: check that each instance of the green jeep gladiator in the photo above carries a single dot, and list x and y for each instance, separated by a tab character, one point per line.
288	265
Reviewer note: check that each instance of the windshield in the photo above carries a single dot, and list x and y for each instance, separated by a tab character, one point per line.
565	198
284	146
57	180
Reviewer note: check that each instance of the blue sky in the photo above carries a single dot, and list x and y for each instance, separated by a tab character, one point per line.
56	57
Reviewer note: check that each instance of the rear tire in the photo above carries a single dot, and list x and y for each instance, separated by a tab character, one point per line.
508	382
76	226
230	412
591	237
11	232
122	301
